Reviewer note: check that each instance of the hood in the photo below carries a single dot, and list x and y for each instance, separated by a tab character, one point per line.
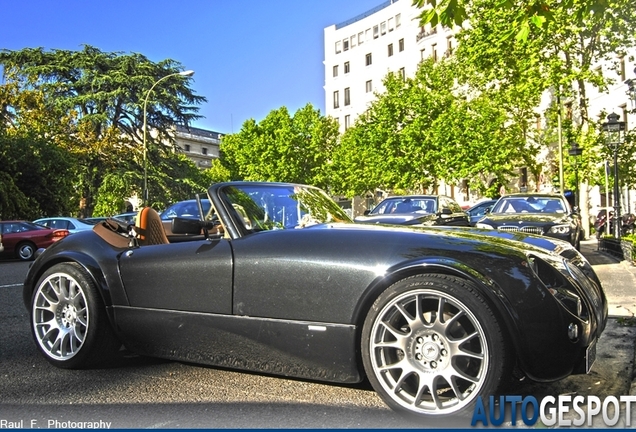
397	219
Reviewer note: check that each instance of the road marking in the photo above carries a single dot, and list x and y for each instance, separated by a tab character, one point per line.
9	286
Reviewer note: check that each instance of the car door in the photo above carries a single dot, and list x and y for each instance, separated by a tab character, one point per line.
193	276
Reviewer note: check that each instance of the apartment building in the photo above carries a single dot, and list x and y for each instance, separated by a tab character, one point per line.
361	51
199	145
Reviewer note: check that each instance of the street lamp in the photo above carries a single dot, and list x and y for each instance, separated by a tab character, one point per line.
187	73
576	151
615	129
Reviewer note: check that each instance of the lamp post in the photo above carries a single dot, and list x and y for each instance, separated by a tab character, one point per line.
576	151
187	73
615	129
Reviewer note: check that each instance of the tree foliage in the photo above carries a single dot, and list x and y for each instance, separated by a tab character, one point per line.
98	99
282	147
425	129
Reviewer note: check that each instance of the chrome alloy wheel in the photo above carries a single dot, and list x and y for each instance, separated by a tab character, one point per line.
60	316
429	352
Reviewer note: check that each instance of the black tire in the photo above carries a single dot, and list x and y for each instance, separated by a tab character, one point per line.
415	360
25	251
68	319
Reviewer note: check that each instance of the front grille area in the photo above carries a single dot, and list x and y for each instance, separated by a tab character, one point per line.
526	229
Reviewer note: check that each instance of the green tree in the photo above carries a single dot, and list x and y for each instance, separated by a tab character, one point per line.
281	147
100	96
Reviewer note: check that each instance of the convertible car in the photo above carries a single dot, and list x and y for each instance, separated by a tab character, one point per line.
277	279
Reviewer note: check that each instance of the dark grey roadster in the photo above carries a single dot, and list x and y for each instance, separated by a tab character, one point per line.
276	278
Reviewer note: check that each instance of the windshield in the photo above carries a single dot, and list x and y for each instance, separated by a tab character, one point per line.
531	204
405	205
269	207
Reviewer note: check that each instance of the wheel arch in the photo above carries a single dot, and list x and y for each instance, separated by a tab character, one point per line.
86	262
487	288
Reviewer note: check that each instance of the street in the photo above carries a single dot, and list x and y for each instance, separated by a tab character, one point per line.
139	392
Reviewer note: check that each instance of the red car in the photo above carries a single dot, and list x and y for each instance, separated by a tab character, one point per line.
21	239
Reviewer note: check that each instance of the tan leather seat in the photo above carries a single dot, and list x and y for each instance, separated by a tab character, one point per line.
149	228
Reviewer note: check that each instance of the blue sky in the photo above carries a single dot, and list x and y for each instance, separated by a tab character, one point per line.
249	56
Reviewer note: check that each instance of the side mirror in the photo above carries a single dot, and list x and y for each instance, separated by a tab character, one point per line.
366	212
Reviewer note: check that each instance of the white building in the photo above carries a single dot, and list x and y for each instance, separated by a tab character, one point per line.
199	145
361	51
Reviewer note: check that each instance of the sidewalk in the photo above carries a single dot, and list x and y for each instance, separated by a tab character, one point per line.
613	373
618	279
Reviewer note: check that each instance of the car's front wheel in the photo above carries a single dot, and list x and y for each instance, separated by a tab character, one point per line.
431	345
68	319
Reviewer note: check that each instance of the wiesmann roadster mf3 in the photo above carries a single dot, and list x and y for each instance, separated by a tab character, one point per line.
276	278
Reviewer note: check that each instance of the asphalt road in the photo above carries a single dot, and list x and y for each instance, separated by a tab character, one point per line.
138	392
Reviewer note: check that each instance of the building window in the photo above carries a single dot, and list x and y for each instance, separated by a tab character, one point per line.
368	86
204	150
422	54
383	28
402	73
360	38
345	44
367	35
353	41
187	147
338	47
449	46
376	32
434	52
368	59
398	18
347	122
401	45
335	70
347	95
336	99
390	49
391	24
346	67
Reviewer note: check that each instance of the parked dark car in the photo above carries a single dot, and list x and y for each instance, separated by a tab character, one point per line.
423	210
21	239
434	317
535	213
479	210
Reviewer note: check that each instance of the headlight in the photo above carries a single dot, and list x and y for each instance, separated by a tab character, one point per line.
560	229
483	225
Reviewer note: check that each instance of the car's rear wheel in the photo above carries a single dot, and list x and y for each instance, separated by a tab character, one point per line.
68	319
25	251
431	345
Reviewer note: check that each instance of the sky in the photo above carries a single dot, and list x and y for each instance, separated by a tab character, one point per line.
249	56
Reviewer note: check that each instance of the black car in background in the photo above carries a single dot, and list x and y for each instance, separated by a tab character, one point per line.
535	213
422	210
479	210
